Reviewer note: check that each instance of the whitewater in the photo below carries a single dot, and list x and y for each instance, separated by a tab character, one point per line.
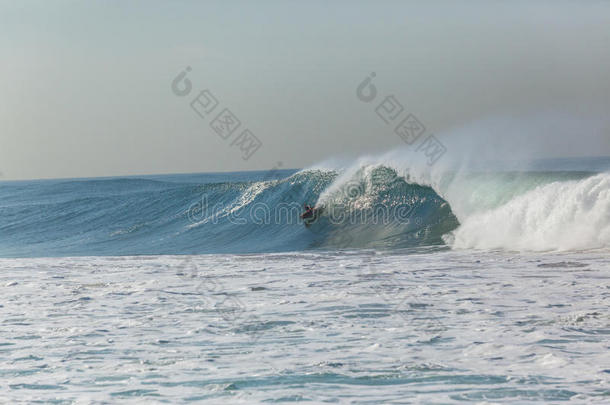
435	284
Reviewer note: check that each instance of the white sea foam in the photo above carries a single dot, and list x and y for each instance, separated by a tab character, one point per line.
569	215
442	327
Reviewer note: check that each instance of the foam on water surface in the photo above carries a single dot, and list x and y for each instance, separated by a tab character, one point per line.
353	326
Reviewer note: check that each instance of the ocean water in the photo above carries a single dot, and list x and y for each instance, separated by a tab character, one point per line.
416	285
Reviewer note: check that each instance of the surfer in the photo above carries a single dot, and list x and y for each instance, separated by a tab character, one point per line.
308	212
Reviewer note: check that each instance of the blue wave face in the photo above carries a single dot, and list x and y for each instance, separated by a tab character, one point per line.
371	205
214	213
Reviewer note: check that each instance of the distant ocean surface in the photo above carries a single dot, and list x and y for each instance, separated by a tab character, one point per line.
415	285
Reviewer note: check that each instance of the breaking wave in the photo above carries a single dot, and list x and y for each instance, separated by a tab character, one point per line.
371	203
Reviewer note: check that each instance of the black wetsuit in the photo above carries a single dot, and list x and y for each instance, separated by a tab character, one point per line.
308	213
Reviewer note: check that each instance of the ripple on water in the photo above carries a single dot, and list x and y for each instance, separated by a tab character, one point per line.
434	328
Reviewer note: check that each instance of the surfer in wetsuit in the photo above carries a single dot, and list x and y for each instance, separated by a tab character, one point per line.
308	212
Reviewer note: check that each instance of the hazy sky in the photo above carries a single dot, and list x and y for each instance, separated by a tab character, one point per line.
86	85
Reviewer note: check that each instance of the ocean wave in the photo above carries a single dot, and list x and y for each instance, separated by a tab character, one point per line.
569	215
388	202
